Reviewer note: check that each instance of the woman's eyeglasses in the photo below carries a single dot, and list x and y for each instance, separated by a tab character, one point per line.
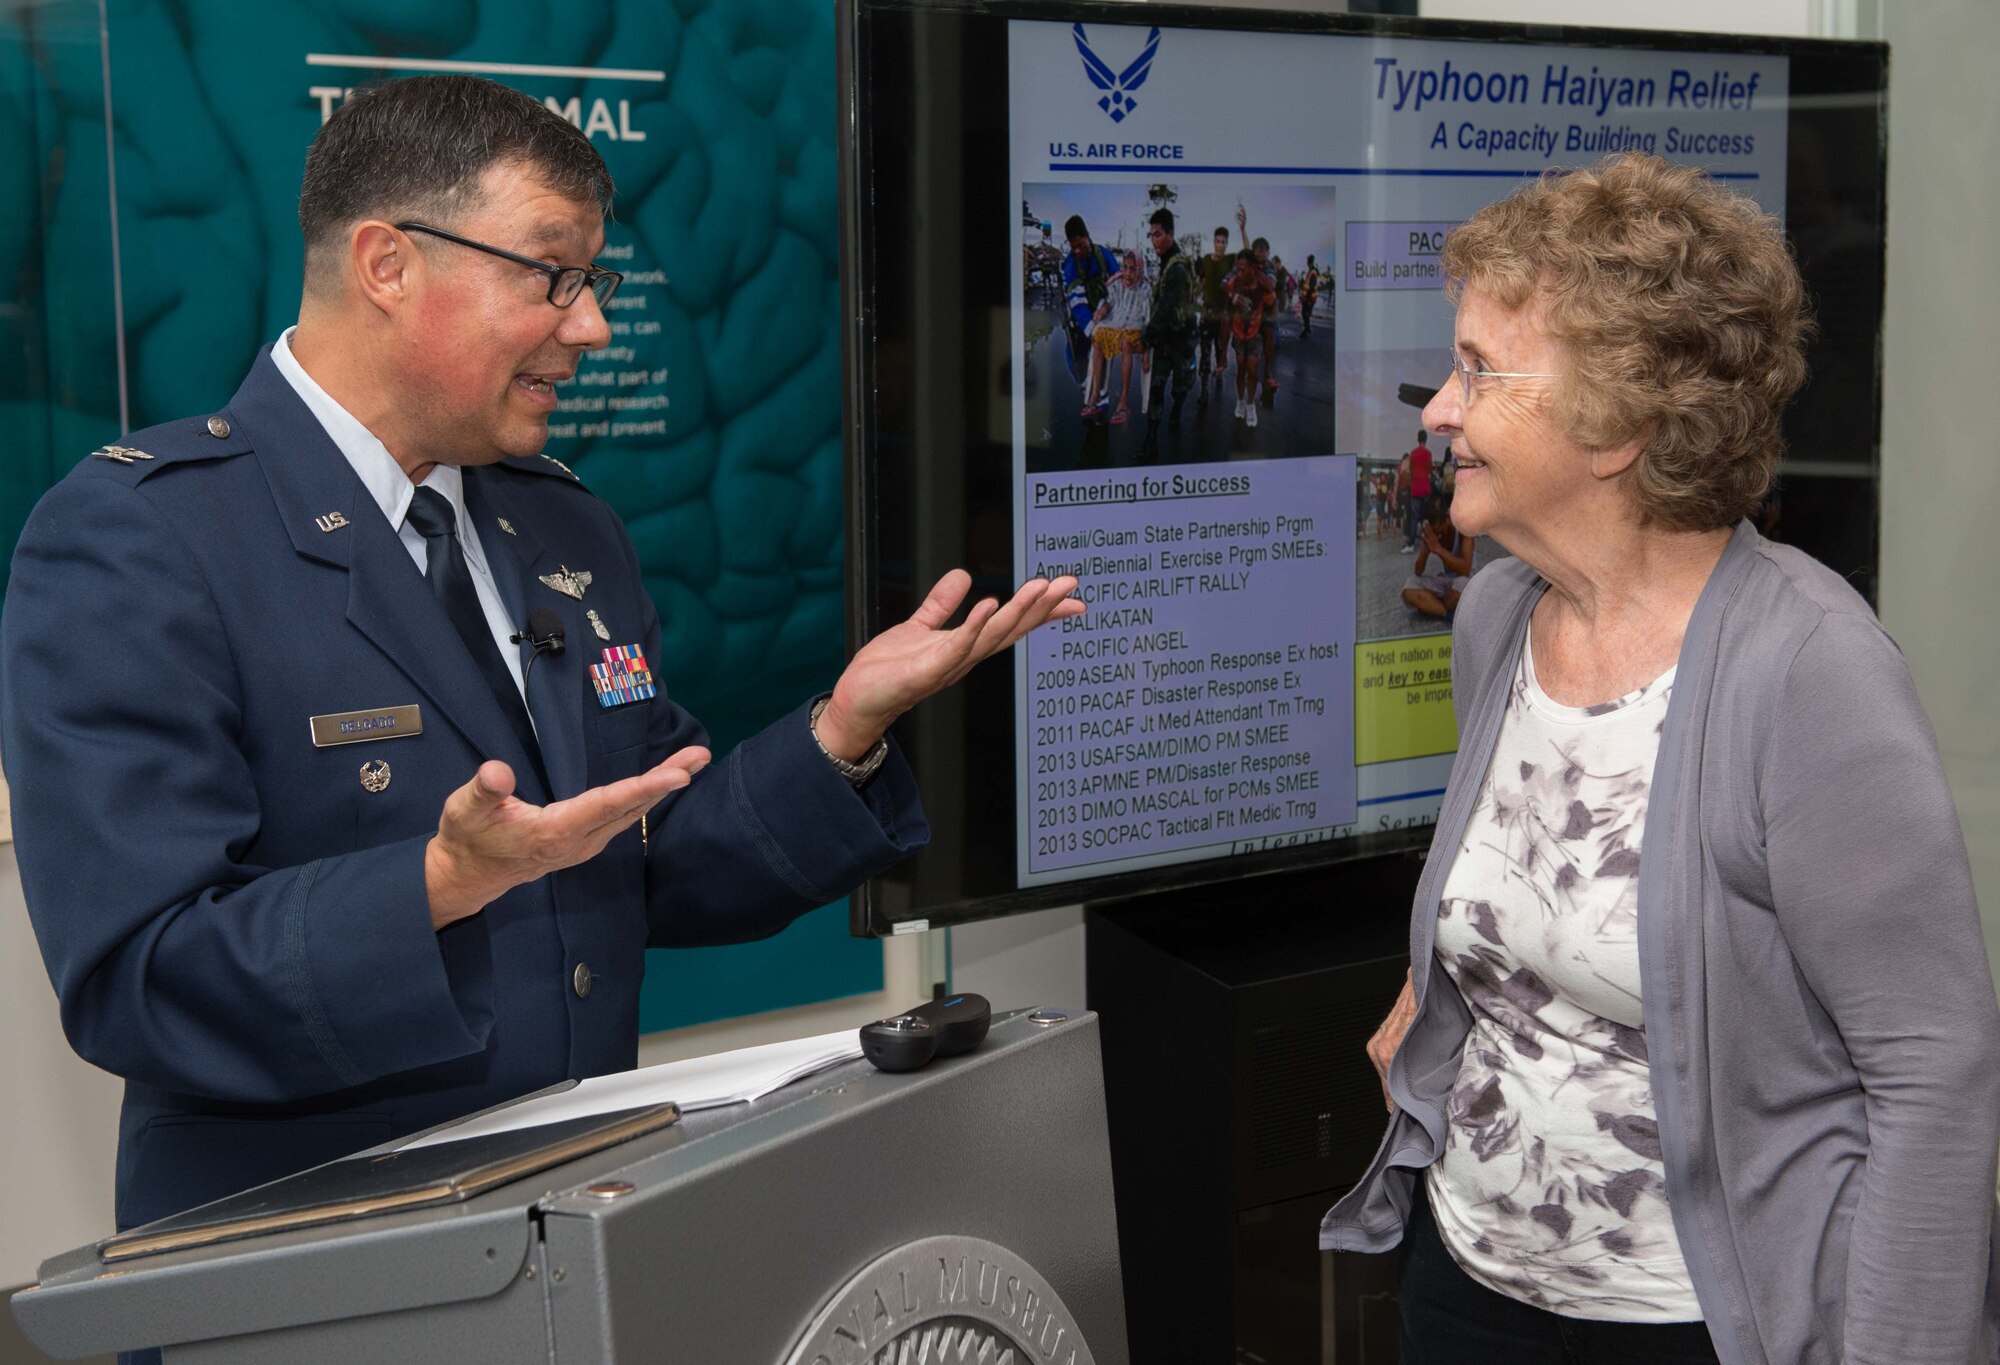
1467	373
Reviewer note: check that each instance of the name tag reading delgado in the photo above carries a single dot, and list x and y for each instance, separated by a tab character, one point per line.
358	727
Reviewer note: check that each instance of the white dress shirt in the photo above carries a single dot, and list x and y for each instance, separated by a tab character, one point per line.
392	491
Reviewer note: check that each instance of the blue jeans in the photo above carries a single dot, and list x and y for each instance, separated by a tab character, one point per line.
1451	1319
1413	517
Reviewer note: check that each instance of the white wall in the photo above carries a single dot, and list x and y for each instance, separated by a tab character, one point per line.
1940	466
59	1115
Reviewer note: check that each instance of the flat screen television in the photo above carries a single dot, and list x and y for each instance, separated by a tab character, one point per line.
1253	688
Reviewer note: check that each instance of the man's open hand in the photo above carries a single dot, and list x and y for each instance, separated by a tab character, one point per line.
490	841
919	658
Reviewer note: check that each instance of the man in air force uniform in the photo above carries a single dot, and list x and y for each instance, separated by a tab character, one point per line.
293	945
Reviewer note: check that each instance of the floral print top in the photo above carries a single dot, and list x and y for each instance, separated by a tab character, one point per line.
1550	1188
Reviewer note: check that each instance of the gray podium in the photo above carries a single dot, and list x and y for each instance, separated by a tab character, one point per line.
961	1213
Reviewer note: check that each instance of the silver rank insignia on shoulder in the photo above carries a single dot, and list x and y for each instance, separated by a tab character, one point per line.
375	776
507	526
332	521
560	465
597	624
567	582
122	454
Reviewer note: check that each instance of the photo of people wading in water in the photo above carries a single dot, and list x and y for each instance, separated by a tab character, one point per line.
1181	334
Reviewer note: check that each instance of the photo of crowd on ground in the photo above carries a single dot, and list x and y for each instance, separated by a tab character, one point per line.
1411	563
1176	324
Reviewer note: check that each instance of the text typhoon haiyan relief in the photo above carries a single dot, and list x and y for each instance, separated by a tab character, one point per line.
1600	106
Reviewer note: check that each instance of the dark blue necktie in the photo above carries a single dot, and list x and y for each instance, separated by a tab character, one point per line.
451	581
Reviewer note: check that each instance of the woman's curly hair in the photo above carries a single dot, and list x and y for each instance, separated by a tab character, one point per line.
1681	318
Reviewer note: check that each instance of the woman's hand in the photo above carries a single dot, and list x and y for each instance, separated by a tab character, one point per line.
1389	1036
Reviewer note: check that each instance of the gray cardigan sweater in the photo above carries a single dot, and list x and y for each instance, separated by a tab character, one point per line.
1823	1041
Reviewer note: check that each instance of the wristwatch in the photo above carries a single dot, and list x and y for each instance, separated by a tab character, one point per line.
855	773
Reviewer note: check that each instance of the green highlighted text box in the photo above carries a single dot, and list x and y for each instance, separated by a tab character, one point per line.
1402	699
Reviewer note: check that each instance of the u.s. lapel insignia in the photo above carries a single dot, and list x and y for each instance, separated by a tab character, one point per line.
121	454
567	582
507	526
597	624
375	776
332	521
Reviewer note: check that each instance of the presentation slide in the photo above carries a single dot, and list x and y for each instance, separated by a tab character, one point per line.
1217	426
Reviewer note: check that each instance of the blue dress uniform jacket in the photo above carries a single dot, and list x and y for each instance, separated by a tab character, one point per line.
233	922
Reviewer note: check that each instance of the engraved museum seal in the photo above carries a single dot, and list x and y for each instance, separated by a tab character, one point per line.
956	1299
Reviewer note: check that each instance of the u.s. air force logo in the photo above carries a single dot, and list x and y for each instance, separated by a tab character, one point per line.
961	1300
1118	86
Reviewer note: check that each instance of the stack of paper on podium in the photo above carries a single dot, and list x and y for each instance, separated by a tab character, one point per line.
697	1083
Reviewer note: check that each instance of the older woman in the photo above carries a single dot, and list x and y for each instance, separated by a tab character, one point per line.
1699	1058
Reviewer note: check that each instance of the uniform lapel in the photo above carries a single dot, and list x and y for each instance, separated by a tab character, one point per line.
388	600
555	682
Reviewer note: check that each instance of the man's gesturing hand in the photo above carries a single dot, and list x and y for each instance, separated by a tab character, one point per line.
906	663
489	840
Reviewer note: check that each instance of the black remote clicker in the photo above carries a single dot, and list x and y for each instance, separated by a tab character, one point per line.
937	1028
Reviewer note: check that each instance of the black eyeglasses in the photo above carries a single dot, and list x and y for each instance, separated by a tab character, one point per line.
566	282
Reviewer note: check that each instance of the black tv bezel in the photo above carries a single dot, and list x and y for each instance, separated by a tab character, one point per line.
869	917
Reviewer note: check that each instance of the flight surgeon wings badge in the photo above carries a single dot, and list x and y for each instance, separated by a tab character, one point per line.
1118	102
567	581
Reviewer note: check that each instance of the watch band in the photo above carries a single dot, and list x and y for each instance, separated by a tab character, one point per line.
855	773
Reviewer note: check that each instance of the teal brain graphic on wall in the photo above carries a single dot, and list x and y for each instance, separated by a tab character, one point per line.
712	421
